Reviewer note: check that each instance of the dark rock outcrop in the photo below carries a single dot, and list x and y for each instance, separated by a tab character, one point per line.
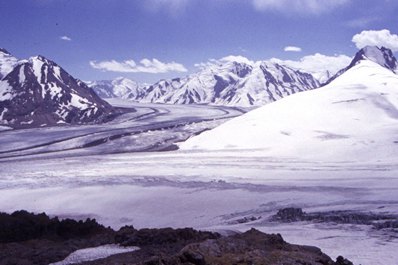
376	220
128	236
22	226
251	247
27	238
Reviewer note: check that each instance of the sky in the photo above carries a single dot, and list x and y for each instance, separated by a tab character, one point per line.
148	40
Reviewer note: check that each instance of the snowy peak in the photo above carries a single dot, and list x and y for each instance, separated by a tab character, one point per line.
39	92
381	56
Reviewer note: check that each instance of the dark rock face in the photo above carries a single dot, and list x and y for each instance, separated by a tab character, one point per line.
39	92
377	221
22	226
251	247
27	238
290	214
128	236
342	261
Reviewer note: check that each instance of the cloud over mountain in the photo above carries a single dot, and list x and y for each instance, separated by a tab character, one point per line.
380	38
153	66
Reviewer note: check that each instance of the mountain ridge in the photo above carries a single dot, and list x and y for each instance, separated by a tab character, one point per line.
232	80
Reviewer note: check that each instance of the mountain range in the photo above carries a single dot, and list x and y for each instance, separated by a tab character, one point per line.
38	92
353	117
233	80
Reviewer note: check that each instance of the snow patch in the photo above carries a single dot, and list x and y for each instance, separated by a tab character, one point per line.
79	102
90	254
4	128
57	73
22	74
2	114
27	122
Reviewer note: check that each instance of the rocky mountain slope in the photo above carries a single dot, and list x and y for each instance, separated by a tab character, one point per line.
352	118
38	92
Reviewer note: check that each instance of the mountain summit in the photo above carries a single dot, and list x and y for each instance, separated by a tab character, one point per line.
38	92
382	56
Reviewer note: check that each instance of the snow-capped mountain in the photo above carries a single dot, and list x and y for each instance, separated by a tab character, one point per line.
118	88
353	117
381	56
233	80
39	92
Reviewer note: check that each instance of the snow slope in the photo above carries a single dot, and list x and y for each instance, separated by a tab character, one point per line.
352	118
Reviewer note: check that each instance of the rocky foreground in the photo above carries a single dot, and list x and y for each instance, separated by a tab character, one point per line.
27	238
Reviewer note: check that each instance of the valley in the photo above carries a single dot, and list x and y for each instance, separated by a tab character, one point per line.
319	167
144	127
121	183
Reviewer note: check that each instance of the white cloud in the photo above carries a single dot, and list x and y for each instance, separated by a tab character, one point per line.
65	38
153	66
292	49
321	66
376	38
227	59
173	7
298	6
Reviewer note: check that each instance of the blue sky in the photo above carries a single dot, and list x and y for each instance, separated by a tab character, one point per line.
171	36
